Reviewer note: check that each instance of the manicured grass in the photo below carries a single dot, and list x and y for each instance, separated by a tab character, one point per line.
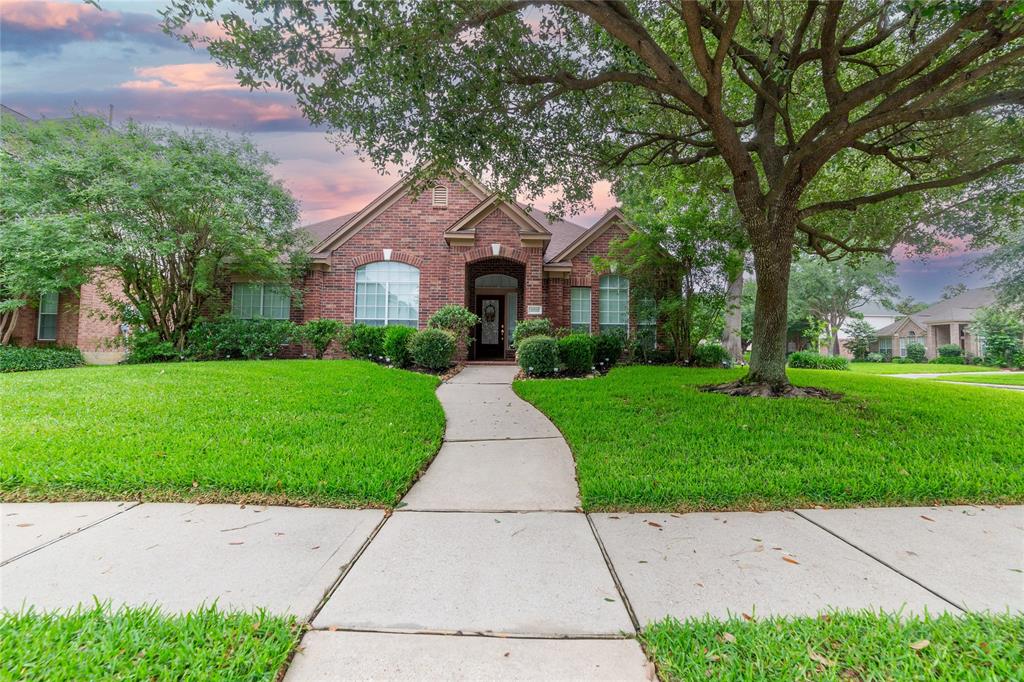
142	644
913	368
1003	378
338	433
840	646
646	439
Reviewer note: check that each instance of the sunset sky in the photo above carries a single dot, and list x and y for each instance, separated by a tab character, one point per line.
58	57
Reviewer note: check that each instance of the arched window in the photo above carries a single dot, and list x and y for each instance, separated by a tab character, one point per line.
388	292
439	196
614	310
496	281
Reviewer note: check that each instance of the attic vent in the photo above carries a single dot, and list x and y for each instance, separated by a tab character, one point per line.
439	196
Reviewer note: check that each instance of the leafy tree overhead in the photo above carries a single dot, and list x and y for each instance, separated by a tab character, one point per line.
922	96
1006	264
166	215
831	292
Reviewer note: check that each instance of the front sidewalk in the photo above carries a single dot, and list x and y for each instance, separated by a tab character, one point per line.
487	570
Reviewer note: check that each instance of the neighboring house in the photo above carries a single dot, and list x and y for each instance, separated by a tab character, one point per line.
402	257
945	322
875	314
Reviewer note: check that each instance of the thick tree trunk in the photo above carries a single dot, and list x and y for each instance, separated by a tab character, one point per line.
768	352
731	336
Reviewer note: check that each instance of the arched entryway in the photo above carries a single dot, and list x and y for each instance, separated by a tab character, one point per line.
494	291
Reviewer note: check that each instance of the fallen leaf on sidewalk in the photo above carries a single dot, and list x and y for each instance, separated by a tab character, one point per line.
791	560
921	644
237	542
24	525
652	523
927	518
747	617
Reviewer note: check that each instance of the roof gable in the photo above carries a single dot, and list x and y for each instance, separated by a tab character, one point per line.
613	217
960	308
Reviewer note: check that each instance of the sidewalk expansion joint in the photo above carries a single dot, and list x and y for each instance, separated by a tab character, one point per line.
33	550
882	561
345	570
488	634
488	440
403	510
615	576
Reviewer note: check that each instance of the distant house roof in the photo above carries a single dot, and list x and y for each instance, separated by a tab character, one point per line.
876	309
960	308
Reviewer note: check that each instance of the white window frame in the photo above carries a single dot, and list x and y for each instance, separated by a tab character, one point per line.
621	284
585	296
44	312
415	322
263	290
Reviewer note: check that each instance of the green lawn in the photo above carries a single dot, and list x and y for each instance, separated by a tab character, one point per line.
913	368
142	644
840	646
646	439
1004	378
337	433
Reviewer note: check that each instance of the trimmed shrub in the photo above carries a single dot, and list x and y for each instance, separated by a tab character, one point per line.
711	354
950	350
915	352
576	351
874	357
433	348
538	355
456	319
607	350
229	337
527	328
321	333
805	359
366	342
396	345
145	347
947	360
18	359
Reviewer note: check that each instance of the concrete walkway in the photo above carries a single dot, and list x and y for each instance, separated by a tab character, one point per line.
488	570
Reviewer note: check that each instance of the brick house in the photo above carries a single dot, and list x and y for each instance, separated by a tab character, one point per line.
403	257
400	259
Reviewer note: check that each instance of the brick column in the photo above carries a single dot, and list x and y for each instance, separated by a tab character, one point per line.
533	289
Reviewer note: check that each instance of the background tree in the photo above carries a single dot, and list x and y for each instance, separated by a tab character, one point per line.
830	292
165	214
860	336
953	290
1001	330
906	305
917	95
682	254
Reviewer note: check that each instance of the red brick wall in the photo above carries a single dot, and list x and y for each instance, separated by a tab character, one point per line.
27	326
96	331
583	273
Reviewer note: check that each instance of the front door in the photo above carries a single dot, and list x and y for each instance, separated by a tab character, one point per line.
490	336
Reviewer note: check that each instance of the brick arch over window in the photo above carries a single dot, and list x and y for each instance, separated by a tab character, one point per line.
487	251
397	256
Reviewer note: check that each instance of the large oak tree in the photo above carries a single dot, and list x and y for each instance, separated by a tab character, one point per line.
924	96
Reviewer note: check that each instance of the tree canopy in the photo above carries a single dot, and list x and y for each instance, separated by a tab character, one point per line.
166	215
922	96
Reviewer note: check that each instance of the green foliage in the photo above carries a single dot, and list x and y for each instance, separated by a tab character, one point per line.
874	357
538	355
322	333
742	454
366	342
144	346
915	352
950	350
712	354
167	214
18	359
141	643
607	350
947	360
860	337
229	337
806	359
527	328
397	345
433	349
864	645
1001	330
336	434
456	319
576	352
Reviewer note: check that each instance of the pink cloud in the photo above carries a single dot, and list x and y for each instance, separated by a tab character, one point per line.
197	77
40	26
